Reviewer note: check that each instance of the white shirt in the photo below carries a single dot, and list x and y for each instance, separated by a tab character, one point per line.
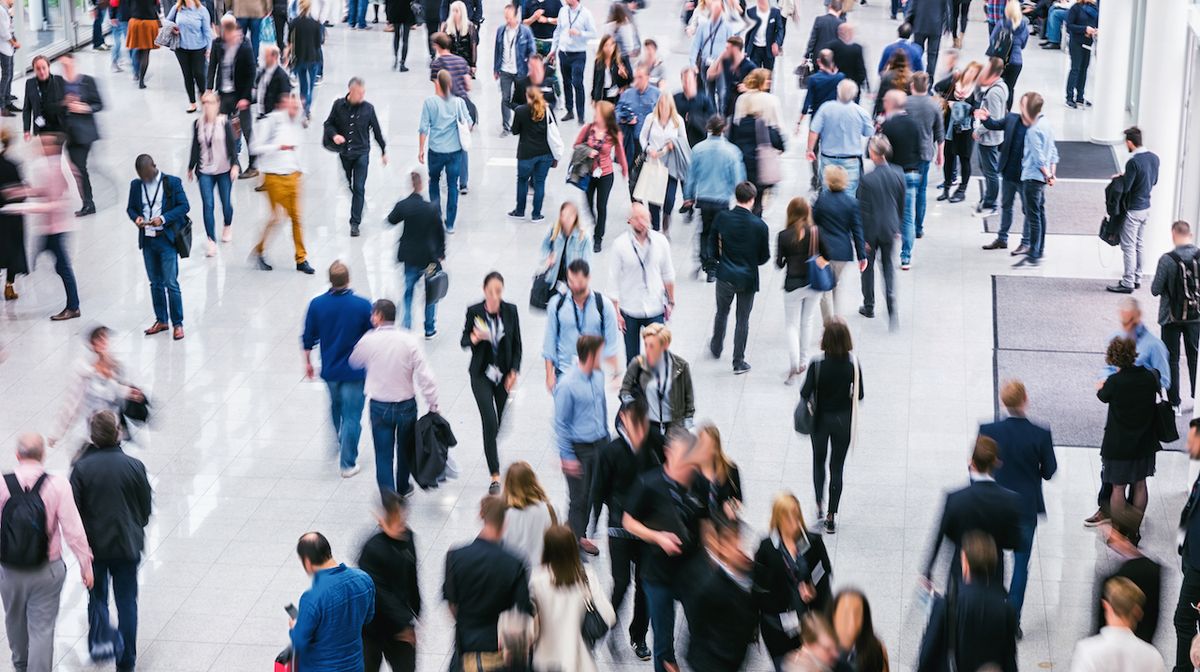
508	52
275	130
639	274
6	30
153	195
1115	650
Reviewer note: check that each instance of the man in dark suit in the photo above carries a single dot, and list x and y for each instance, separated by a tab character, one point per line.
272	82
739	243
825	29
848	57
1187	617
984	505
881	202
1026	453
159	207
721	613
232	77
764	40
422	244
43	111
928	20
81	101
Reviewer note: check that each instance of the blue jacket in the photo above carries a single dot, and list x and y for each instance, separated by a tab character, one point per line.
822	88
915	55
715	170
175	207
566	249
524	49
837	215
1079	18
327	636
1026	459
1012	150
1020	37
336	320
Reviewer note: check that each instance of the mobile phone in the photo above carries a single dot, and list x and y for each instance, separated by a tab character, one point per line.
291	611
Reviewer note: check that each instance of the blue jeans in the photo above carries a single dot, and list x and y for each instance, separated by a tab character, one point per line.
223	183
118	35
1033	197
534	170
125	592
346	400
412	275
253	28
56	244
922	193
162	267
451	162
358	13
393	429
1020	575
573	63
912	183
853	167
1008	193
989	163
306	74
661	601
1054	21
355	168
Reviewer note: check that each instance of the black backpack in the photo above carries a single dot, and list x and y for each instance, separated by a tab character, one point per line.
1001	44
562	299
1185	295
24	540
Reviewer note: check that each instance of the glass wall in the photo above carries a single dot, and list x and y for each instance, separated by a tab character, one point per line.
1133	88
50	27
1187	196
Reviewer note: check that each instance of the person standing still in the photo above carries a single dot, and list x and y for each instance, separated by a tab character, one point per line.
574	29
349	127
157	206
8	47
82	101
739	244
1138	179
336	321
422	246
510	63
993	97
581	430
1177	316
1037	172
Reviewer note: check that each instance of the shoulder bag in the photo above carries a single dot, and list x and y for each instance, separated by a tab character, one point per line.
464	125
820	271
1165	429
183	238
770	172
803	418
554	137
437	283
593	627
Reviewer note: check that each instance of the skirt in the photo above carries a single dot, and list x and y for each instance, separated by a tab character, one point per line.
1125	472
142	33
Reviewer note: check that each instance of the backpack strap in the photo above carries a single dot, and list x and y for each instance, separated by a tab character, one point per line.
600	310
10	480
37	486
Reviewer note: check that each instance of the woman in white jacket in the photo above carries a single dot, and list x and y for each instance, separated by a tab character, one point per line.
561	589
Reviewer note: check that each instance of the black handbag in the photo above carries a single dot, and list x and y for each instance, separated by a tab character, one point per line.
137	411
541	291
1165	429
183	239
1110	230
437	283
593	628
804	417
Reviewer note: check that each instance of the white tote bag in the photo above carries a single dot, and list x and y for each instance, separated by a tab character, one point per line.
464	125
652	183
554	137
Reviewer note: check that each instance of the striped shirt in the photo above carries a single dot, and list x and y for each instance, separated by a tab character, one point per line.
457	67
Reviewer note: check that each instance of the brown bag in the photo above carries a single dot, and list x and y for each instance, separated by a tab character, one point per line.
491	661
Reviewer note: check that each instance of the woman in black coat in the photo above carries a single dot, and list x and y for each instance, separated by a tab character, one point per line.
612	72
400	15
493	333
1129	446
792	575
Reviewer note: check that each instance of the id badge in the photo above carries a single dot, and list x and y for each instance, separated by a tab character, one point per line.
790	622
150	233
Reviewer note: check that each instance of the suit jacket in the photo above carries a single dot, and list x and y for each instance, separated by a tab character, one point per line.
523	49
112	493
985	506
174	210
279	86
776	588
244	69
849	59
1129	429
507	354
619	81
739	242
824	31
1026	459
881	203
721	617
775	27
81	128
927	17
984	628
48	108
836	214
423	240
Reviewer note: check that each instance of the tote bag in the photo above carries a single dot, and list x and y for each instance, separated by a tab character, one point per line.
464	125
554	137
652	182
770	172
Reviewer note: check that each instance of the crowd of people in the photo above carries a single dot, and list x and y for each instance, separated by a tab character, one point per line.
525	594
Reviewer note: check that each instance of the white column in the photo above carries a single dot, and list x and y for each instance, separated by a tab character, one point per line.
1110	63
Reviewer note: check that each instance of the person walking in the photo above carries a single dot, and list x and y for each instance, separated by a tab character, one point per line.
1083	21
903	43
349	127
1138	179
390	559
442	115
881	196
231	70
798	242
839	129
120	13
277	143
1128	450
764	39
1117	647
928	20
510	60
566	241
42	513
112	493
1013	29
213	162
824	29
1177	317
96	386
663	380
758	133
720	605
327	632
336	321
305	39
634	106
643	279
851	615
492	331
45	189
13	259
695	107
463	34
995	97
1037	172
664	139
143	29
931	143
837	216
574	28
529	515
904	134
563	592
532	123
958	93
193	25
401	18
422	247
81	101
716	165
581	430
739	244
271	83
605	143
848	58
158	207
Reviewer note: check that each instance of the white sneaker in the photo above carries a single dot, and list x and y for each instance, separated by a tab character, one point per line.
211	249
227	234
1178	412
347	473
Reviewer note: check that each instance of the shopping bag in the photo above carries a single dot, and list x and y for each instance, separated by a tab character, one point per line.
651	183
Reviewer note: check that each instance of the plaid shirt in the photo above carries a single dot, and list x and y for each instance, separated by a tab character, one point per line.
994	10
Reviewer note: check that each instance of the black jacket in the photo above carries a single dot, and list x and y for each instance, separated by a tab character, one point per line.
744	135
279	86
927	17
356	123
1026	459
533	139
776	27
230	145
620	81
722	621
81	127
777	588
985	506
984	629
848	57
112	493
392	565
792	253
507	354
432	447
1129	429
48	108
306	36
617	469
244	69
423	241
824	31
740	244
881	203
836	214
696	112
1146	574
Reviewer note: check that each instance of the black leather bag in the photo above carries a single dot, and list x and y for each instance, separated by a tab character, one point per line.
183	239
1110	230
804	417
1165	429
137	411
437	283
593	628
541	291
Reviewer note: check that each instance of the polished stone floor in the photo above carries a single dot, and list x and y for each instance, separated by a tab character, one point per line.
241	450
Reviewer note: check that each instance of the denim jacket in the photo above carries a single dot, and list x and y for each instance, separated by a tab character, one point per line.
578	246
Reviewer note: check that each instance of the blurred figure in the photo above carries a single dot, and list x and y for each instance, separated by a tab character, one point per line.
42	112
231	68
81	101
390	559
861	649
819	650
529	514
724	479
567	240
581	431
47	187
1126	560
720	604
277	145
1116	648
1187	618
493	333
12	225
327	633
157	206
422	246
563	591
97	386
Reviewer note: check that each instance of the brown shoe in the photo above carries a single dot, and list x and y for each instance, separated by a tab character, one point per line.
1021	249
1096	519
996	245
177	334
588	547
10	294
66	314
156	328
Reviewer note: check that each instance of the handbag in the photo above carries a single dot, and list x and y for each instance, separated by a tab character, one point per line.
820	277
651	182
803	72
167	37
593	628
542	290
1165	429
1110	230
104	641
418	11
137	411
464	130
286	660
554	137
803	418
437	283
770	172
183	239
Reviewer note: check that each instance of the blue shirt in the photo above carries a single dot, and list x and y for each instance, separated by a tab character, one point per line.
842	128
195	28
566	322
822	88
439	121
715	170
1151	353
580	19
336	320
915	54
639	104
580	412
1040	151
327	636
709	41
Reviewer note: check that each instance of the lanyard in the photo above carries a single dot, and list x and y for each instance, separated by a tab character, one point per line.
662	383
712	36
571	18
508	45
641	262
579	316
148	202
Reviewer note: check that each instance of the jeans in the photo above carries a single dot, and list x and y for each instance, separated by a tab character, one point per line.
358	13
633	333
799	307
922	197
1033	197
490	399
660	215
125	593
532	170
451	163
741	329
162	267
660	598
393	430
98	26
853	166
1077	77
1190	333
1131	246
412	275
1021	555
882	250
912	184
598	191
192	63
507	81
346	400
579	488
56	244
223	183
78	154
1054	22
573	64
355	167
306	75
1008	192
624	553
930	45
1186	619
6	77
831	429
118	34
31	598
989	164
253	28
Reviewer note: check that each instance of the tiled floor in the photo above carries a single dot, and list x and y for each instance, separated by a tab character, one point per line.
241	450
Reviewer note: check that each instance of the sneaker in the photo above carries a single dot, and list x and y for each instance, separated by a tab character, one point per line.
986	211
740	367
830	525
494	488
905	265
513	214
262	264
248	173
568	116
462	191
1071	104
996	245
1021	249
347	473
305	267
866	312
958	196
1096	519
1178	410
596	247
429	336
504	133
1083	103
640	650
537	218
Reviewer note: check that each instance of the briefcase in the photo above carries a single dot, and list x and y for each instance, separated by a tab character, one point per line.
437	283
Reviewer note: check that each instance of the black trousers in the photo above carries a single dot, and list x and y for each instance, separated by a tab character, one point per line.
281	23
762	56
1011	72
78	154
624	553
931	44
597	197
490	399
708	212
229	107
432	25
1187	619
881	250
400	656
831	428
741	329
400	35
1171	335
959	9
959	147
579	488
191	62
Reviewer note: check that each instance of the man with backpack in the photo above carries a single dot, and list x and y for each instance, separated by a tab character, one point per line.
577	313
1177	284
37	510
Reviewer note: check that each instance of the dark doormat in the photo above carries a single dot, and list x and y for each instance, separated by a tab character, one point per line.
1072	208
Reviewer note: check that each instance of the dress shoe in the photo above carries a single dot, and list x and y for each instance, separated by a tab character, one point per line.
12	108
830	524
740	367
920	234
568	116
1021	249
354	231
6	113
866	312
403	68
156	328
177	333
1083	102
1051	47
10	294
494	488
1096	519
462	191
596	246
305	267
588	547
1119	289
996	245
944	196
87	209
66	314
248	173
262	264
958	196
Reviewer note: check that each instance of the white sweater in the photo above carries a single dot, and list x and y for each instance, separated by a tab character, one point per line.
560	614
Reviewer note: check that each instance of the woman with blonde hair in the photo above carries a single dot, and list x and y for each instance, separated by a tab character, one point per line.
757	100
529	513
1017	28
193	25
798	242
664	139
531	124
722	474
566	241
464	39
792	572
562	590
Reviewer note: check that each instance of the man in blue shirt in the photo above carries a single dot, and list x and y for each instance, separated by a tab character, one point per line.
581	431
327	631
569	316
1015	126
716	168
914	51
1037	172
335	321
575	27
841	128
634	107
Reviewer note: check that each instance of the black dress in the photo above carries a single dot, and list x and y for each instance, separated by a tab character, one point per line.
12	227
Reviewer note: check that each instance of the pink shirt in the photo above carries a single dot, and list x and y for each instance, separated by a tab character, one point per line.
62	518
395	365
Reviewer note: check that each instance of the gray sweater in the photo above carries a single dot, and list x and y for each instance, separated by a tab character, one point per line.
995	101
928	114
1166	277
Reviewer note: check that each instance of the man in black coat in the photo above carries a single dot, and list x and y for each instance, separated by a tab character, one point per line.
928	19
81	101
271	83
422	243
390	559
348	129
43	111
739	242
232	77
824	29
721	613
848	57
881	202
112	493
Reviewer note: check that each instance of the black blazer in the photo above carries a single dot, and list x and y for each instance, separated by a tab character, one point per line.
824	31
112	493
230	145
837	215
81	128
775	27
985	628
740	244
744	135
507	355
243	69
721	619
1129	430
985	506
423	240
48	107
777	588
619	81
279	86
881	203
1026	459
927	17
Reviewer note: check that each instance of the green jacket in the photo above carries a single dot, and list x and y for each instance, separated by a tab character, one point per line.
681	396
